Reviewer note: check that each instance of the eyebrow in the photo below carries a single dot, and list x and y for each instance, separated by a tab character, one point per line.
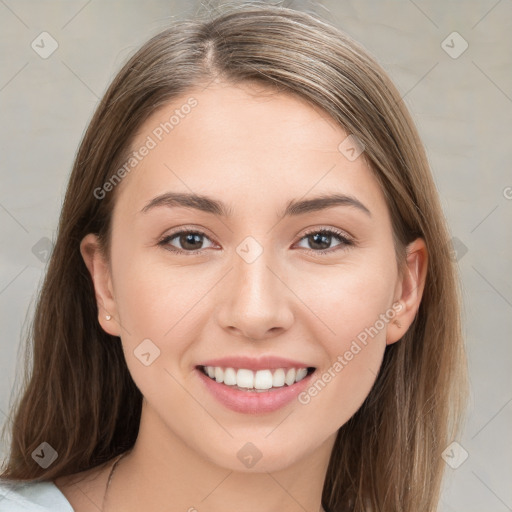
213	206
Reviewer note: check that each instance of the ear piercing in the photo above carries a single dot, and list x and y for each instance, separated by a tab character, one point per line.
108	317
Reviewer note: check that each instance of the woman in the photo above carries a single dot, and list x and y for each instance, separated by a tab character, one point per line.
251	301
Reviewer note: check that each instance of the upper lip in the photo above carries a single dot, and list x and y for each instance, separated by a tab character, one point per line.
260	363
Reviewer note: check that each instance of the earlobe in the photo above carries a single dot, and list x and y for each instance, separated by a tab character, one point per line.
101	278
410	290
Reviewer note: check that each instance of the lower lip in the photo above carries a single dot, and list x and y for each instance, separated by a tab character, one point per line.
253	402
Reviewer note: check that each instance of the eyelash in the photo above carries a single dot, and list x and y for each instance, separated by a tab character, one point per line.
345	241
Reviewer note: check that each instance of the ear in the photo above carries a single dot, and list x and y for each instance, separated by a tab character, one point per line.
409	290
101	277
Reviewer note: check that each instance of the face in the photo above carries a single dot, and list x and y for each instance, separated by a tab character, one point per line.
260	276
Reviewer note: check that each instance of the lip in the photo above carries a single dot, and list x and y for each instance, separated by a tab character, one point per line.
253	402
251	363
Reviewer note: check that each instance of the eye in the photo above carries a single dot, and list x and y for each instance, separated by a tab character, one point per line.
190	241
320	238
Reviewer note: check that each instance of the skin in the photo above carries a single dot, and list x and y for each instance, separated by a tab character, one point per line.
255	151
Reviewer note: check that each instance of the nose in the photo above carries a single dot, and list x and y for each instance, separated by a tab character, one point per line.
255	301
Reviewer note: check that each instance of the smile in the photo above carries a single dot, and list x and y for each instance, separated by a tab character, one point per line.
255	391
257	381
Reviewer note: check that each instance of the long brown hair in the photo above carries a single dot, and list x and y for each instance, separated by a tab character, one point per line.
80	397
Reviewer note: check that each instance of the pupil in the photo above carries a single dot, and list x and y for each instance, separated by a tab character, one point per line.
189	238
322	239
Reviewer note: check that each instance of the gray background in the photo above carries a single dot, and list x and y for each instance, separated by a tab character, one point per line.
463	110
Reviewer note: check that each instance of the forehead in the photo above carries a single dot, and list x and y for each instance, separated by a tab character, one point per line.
247	145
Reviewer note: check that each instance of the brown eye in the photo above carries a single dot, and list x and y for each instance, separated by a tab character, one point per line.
189	241
319	240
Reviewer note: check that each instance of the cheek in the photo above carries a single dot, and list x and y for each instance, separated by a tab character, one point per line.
352	312
159	301
159	320
357	306
349	298
141	287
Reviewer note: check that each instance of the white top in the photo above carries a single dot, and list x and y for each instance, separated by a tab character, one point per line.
32	497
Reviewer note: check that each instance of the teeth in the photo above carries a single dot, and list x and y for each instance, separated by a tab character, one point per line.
260	380
301	373
278	378
219	374
245	378
290	377
230	377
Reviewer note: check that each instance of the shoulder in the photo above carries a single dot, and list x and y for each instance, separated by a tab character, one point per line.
41	496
